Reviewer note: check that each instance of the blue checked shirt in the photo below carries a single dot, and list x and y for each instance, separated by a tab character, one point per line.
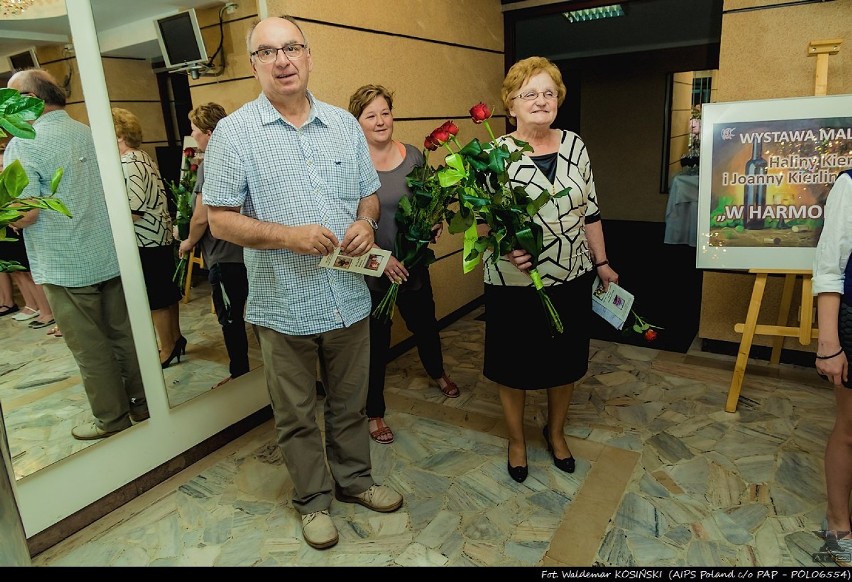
69	252
315	174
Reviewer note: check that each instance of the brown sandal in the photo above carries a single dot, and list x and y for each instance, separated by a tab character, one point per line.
383	434
450	390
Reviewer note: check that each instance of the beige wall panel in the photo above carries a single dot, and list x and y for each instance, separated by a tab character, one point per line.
130	80
78	111
679	146
476	23
429	80
151	150
50	53
209	17
75	87
150	118
764	56
237	63
415	131
725	300
682	95
452	289
764	52
231	94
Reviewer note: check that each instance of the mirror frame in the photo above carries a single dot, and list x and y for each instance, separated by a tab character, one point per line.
59	490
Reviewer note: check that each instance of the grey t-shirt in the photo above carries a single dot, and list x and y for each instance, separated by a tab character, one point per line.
214	250
391	192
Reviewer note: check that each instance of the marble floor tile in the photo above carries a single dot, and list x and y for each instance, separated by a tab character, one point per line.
664	477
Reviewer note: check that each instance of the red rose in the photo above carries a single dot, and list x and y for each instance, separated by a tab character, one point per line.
441	136
193	168
188	152
650	335
450	128
430	144
480	112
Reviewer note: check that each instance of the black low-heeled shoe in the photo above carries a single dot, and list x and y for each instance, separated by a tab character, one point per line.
566	465
518	473
180	348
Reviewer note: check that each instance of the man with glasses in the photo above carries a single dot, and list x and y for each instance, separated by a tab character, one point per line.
290	179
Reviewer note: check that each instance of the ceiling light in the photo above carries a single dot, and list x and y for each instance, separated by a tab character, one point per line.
585	14
14	7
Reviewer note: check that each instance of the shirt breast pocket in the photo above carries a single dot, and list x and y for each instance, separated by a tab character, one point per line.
341	175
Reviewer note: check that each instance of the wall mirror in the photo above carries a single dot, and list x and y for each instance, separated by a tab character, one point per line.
40	384
687	92
148	93
54	490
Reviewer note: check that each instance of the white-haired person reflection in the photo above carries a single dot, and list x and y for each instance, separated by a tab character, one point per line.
75	260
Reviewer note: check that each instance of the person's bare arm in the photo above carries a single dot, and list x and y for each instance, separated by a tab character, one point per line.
311	239
197	226
595	238
359	237
28	219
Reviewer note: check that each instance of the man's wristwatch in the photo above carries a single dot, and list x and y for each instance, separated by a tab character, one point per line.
373	224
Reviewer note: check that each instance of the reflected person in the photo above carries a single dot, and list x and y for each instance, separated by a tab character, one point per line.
75	259
289	178
153	227
224	260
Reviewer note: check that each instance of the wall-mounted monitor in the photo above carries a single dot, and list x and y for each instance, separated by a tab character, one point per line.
180	40
23	60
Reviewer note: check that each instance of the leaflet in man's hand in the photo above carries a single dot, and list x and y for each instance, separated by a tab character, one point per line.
370	263
613	304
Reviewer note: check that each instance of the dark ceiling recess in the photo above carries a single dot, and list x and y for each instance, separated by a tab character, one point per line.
648	25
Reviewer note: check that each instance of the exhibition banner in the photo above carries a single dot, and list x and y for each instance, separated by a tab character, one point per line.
765	172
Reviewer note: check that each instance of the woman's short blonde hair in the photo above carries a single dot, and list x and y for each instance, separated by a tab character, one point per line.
205	117
367	94
127	126
521	72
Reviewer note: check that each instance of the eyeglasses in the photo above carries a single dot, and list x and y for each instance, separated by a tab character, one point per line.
533	95
291	51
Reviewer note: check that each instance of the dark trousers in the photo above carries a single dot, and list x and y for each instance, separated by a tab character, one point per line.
417	308
96	328
229	286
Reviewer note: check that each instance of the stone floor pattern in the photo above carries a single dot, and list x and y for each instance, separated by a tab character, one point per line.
664	477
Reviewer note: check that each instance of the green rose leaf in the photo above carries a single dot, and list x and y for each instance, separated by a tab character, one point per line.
54	182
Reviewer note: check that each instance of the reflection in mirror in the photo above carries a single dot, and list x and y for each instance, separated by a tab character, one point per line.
190	337
689	90
41	386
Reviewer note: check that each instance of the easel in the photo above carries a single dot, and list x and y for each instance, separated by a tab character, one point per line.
805	332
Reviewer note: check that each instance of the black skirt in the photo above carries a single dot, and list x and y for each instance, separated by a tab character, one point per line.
520	351
158	268
14	250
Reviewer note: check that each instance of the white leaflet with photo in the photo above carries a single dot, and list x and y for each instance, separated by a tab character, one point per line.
371	263
613	305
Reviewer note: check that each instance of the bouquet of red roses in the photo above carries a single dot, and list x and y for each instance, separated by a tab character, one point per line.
417	217
479	175
182	192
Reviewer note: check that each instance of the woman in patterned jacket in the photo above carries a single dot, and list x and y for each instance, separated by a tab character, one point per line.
153	226
573	252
